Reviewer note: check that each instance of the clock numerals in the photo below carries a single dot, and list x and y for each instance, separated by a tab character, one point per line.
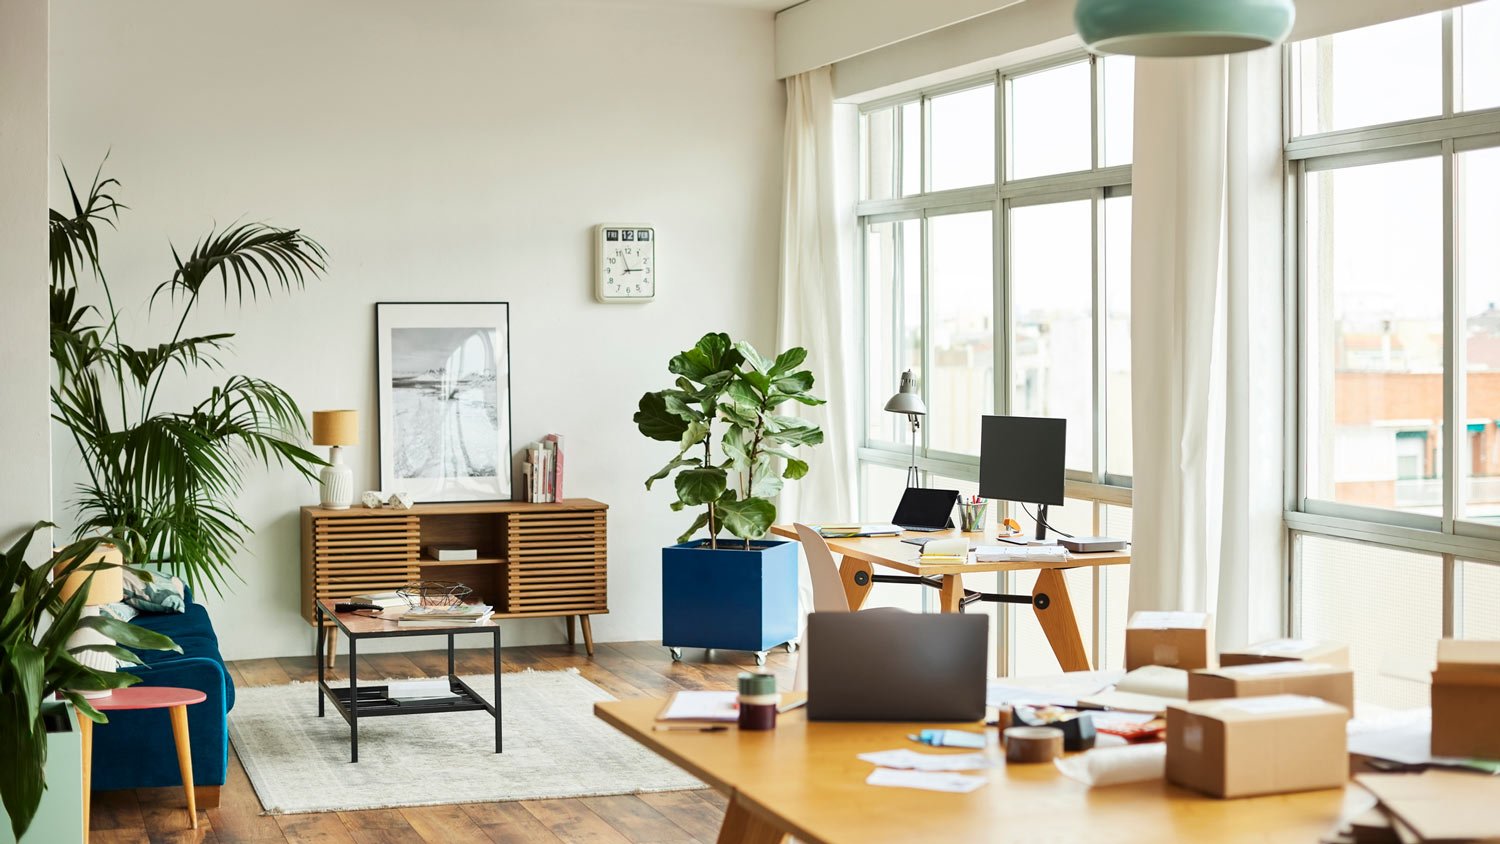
626	269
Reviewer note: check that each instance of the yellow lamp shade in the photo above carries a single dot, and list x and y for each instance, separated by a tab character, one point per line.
335	427
108	585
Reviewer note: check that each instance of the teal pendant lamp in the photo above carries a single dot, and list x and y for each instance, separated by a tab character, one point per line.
1168	28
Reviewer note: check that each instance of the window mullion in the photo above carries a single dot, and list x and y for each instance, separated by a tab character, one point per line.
1100	324
1450	54
1455	432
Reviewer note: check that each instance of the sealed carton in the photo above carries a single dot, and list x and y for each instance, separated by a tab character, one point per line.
1466	699
1257	745
1314	679
1174	639
1287	650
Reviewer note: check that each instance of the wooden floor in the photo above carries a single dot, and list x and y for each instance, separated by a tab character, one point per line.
624	669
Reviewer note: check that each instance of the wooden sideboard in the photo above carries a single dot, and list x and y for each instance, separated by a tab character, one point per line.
535	560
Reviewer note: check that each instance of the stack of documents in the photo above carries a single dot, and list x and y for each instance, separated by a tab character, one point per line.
1021	554
847	531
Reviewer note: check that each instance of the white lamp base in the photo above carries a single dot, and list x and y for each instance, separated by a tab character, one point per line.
337	482
96	660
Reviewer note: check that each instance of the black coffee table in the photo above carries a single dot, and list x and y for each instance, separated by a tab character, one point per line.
358	701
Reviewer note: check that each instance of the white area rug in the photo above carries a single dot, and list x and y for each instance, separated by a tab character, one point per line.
554	747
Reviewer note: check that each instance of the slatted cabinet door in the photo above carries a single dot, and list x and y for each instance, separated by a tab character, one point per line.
556	562
355	556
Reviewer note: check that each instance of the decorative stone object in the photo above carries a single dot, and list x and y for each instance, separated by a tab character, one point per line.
372	500
400	501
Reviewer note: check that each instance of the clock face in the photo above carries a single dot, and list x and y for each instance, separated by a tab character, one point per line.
626	270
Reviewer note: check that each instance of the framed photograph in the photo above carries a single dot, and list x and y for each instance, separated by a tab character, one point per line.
444	399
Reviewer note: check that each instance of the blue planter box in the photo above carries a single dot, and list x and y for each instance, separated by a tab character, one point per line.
732	598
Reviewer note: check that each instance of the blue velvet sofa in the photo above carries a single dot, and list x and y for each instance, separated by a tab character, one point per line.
135	749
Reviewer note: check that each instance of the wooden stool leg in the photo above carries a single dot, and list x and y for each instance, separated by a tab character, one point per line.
571	639
743	827
86	738
952	593
858	577
1054	609
588	634
184	759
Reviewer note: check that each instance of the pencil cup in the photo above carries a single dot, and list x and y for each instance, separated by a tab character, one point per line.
971	516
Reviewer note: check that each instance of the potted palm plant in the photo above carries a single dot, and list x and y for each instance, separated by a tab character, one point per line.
170	476
741	593
43	781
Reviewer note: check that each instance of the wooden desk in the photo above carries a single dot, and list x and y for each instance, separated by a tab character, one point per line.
803	779
1049	597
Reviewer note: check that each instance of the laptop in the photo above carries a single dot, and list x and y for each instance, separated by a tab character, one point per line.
925	509
884	665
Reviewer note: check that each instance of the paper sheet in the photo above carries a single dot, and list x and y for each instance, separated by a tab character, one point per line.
1058	690
702	706
926	780
914	761
1404	737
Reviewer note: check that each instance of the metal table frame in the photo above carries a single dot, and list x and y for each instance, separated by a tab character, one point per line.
355	701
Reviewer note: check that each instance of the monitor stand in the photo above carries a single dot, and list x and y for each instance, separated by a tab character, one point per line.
1041	522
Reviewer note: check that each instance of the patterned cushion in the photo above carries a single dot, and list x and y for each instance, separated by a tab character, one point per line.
119	611
162	593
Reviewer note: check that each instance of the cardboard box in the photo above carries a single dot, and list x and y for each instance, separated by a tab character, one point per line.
1287	650
1466	699
1174	639
1314	679
1257	745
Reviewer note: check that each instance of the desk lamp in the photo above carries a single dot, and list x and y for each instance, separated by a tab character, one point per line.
336	428
907	401
105	586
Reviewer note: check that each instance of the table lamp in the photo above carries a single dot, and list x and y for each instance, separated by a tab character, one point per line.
336	428
106	587
907	401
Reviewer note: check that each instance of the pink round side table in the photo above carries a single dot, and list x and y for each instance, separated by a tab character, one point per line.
176	702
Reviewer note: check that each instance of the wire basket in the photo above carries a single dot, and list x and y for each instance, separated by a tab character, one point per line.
434	593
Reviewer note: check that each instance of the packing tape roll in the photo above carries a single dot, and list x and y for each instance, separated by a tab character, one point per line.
1029	745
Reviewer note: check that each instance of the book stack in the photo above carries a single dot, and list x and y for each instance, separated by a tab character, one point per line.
454	616
384	600
451	553
544	469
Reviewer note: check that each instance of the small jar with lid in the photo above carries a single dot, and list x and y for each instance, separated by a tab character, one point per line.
758	701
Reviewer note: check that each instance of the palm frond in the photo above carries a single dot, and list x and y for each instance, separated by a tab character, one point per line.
73	240
251	257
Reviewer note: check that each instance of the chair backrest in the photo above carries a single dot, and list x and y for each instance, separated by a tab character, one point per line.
828	586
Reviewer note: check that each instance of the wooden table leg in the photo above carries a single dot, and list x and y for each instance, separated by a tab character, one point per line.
952	594
184	758
858	577
86	738
588	633
741	826
1054	609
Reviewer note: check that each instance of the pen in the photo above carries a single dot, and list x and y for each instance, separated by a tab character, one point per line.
688	728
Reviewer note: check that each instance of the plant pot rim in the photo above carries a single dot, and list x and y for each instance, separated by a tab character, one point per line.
732	544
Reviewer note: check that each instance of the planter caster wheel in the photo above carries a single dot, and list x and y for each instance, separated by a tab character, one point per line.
676	654
791	647
760	657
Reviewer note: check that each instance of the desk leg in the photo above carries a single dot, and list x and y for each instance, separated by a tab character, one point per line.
1054	609
858	577
184	759
86	738
952	594
741	826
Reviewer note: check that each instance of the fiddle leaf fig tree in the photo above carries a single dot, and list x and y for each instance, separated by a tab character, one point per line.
726	386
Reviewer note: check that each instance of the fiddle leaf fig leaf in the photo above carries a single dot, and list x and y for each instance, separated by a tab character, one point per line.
747	519
797	382
752	357
788	361
656	421
767	485
668	469
795	469
698	523
702	485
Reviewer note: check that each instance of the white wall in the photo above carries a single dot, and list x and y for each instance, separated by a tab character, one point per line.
454	151
26	482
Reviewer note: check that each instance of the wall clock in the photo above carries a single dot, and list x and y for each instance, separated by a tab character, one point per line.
625	270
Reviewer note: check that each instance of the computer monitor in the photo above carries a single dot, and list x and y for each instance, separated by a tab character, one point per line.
1021	460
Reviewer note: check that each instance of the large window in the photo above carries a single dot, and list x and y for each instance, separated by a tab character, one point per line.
1394	156
995	217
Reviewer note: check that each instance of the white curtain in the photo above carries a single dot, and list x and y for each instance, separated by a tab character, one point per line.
816	308
1207	350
